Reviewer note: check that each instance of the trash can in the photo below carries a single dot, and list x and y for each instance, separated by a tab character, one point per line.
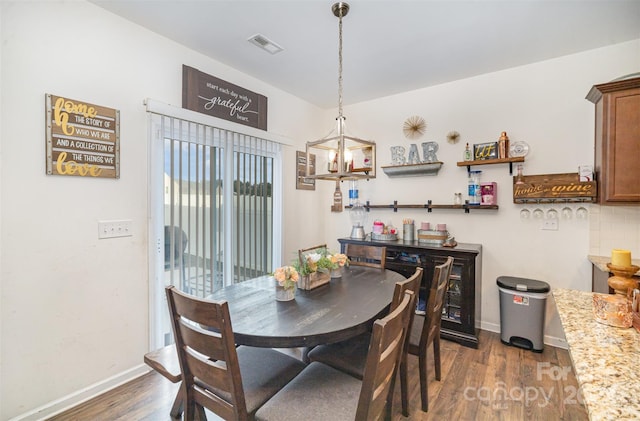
522	309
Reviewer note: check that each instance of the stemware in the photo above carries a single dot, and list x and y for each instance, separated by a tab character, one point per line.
524	213
582	212
538	213
552	214
567	212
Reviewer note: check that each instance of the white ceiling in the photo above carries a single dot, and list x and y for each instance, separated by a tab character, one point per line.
389	46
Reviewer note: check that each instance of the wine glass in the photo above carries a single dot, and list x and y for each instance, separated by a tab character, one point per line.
582	212
538	213
552	214
525	214
567	212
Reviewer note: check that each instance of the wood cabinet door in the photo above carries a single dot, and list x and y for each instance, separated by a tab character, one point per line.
620	147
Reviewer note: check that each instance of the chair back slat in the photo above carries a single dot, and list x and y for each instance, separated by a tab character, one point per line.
387	342
439	287
364	255
411	284
207	354
209	374
203	341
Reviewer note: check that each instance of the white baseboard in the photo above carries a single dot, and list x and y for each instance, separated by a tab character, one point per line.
548	340
66	402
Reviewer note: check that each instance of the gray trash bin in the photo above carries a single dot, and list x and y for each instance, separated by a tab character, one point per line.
522	309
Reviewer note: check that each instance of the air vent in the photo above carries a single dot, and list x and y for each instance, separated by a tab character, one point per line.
265	43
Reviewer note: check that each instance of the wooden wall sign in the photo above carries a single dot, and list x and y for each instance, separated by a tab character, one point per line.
218	98
82	139
302	182
553	187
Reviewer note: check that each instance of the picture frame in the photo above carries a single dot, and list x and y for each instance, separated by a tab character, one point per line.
302	182
488	150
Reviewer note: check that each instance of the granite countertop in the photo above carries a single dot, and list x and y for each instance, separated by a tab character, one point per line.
605	358
601	262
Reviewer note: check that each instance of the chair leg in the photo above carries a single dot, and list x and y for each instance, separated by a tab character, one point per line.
404	387
178	405
200	411
422	362
436	356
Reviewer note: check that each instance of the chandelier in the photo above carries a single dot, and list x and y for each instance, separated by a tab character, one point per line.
347	158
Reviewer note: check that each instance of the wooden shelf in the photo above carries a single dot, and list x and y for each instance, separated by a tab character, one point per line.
509	161
428	206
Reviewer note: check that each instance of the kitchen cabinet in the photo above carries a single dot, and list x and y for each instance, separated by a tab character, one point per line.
617	140
461	311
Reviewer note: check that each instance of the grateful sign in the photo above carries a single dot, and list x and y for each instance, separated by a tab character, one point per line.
82	139
218	98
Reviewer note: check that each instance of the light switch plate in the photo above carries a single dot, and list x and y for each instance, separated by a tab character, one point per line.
113	229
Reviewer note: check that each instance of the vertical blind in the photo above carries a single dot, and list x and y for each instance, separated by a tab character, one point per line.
218	205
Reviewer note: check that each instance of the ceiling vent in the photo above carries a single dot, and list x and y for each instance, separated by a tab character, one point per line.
265	43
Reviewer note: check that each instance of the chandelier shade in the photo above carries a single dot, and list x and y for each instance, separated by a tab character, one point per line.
347	157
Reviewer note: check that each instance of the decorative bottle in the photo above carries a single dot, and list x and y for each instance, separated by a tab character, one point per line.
474	187
353	192
337	197
467	153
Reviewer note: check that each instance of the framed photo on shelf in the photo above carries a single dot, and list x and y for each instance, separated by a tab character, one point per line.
487	150
303	183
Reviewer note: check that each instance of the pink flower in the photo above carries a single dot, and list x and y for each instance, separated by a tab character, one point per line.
286	276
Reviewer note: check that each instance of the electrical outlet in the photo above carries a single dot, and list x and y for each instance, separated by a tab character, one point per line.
550	224
112	229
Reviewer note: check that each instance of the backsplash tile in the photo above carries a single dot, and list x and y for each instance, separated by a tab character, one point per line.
614	227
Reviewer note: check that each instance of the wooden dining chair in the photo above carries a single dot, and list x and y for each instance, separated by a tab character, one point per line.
425	331
231	382
322	392
364	255
165	362
350	355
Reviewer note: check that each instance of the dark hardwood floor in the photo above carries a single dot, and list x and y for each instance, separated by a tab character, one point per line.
494	382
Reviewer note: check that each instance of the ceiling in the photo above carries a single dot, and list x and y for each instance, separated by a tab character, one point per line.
389	46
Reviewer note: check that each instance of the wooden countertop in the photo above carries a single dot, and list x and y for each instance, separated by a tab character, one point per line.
605	358
601	262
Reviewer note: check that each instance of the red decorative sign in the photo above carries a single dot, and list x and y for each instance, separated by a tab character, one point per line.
82	139
218	98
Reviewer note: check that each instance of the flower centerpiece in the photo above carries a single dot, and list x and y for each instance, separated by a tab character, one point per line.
339	261
286	279
314	268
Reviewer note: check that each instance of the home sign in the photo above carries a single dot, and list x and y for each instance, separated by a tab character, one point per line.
82	139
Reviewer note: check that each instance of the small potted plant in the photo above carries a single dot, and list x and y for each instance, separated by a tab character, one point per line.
314	268
339	261
286	279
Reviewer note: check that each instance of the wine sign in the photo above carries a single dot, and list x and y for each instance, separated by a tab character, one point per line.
218	98
82	139
550	187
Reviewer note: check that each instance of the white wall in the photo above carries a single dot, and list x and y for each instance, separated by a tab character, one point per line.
75	308
542	104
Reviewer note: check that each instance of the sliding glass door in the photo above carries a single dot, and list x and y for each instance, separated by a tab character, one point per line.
212	210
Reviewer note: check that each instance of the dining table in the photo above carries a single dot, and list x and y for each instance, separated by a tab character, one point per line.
343	308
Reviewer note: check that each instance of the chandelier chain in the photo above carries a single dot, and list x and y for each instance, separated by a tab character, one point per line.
340	64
